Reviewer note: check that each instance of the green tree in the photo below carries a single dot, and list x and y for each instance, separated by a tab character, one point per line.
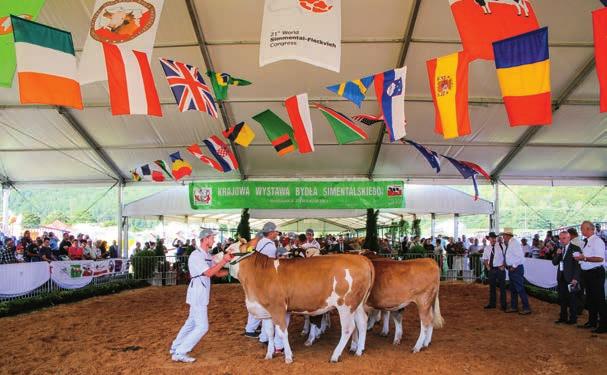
84	217
244	230
56	215
371	240
416	230
30	220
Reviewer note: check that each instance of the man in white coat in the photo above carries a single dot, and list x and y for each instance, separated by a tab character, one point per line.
202	268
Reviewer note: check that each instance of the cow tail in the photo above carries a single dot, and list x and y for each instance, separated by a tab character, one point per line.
371	282
437	321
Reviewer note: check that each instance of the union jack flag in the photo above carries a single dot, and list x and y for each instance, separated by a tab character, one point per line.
189	88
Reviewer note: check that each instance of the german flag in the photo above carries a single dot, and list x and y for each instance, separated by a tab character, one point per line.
283	145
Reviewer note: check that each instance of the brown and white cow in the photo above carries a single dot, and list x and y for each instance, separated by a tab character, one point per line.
398	283
313	286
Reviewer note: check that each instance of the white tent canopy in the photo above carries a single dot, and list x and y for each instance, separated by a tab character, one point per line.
174	203
41	144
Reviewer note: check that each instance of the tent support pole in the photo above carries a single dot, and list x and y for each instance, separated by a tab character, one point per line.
495	225
120	220
6	192
455	226
432	225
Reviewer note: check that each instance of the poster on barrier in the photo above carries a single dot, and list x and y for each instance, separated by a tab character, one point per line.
72	274
21	278
106	267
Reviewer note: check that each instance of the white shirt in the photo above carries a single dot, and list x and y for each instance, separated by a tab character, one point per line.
312	248
267	247
595	247
514	253
199	289
577	242
526	249
498	257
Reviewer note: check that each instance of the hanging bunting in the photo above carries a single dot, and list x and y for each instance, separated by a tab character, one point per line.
179	167
344	128
222	153
429	155
355	90
477	168
298	109
448	76
240	133
221	81
390	91
278	132
368	119
188	87
466	173
482	22
197	153
599	22
46	64
523	71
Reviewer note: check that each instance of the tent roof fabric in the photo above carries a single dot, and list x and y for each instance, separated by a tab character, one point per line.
174	202
412	31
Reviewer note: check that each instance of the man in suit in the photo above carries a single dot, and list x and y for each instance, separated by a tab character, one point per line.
341	246
493	258
568	276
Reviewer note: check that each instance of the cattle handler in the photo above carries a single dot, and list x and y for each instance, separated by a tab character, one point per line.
202	268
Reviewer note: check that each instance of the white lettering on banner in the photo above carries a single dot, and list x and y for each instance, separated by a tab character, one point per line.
306	191
352	192
272	191
240	191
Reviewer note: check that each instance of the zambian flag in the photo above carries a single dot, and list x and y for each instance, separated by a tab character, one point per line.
221	81
344	128
279	132
46	64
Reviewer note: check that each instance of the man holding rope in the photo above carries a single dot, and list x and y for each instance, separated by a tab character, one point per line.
201	269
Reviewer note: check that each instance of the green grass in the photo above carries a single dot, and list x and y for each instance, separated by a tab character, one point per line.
24	305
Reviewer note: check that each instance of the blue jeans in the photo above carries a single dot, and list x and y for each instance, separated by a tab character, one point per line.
517	288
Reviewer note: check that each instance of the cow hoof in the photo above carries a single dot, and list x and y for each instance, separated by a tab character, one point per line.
304	333
288	360
383	334
396	342
268	357
415	350
359	354
308	343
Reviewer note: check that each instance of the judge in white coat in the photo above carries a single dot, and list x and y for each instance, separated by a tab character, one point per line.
202	268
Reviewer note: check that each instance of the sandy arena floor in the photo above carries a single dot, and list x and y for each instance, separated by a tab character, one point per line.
130	333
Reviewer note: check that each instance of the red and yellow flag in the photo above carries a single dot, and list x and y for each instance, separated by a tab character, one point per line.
448	77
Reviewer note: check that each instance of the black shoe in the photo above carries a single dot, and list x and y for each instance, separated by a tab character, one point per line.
490	306
560	321
503	308
252	335
510	311
525	312
571	322
600	330
587	325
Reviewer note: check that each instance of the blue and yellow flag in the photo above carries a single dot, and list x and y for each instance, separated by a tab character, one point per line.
354	90
523	71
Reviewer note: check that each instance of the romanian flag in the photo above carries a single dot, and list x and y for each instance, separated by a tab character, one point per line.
355	90
448	77
523	71
599	21
179	167
46	64
279	132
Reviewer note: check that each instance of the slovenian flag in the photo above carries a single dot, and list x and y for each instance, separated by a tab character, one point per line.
46	64
222	153
299	113
523	71
390	91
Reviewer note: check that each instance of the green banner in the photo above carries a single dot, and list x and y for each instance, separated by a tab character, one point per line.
297	194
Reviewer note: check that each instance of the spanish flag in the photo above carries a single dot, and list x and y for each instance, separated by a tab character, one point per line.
448	77
523	71
599	22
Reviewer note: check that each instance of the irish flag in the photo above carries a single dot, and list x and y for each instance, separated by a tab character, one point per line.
46	64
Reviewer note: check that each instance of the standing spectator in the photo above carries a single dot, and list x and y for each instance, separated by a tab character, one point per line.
103	250
114	250
474	248
45	252
90	252
493	258
26	239
53	242
137	248
31	251
567	275
160	249
311	246
341	246
526	248
575	237
593	278
535	248
64	245
428	246
76	251
7	252
450	249
514	262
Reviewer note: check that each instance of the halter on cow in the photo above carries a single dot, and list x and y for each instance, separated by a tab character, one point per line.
273	288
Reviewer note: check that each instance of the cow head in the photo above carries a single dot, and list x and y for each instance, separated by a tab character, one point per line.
239	249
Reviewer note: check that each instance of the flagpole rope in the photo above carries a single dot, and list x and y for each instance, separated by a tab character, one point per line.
585	203
56	149
96	201
546	221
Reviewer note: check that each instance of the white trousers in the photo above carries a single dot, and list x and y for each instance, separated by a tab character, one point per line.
252	324
278	344
194	328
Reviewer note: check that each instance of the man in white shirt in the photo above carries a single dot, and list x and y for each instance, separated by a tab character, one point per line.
516	270
201	267
526	248
593	278
493	258
311	246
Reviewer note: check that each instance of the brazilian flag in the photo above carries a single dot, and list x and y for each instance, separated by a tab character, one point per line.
221	81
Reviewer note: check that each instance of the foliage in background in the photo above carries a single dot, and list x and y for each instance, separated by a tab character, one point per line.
30	220
144	264
371	241
404	228
19	306
416	230
417	249
244	230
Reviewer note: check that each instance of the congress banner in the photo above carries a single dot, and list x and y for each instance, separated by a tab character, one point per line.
304	30
297	194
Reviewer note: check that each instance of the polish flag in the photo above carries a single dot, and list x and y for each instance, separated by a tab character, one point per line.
132	88
299	113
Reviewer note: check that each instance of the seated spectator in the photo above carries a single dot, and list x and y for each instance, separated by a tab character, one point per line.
526	248
535	248
26	239
44	251
64	245
103	253
90	252
76	251
7	252
53	242
31	251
